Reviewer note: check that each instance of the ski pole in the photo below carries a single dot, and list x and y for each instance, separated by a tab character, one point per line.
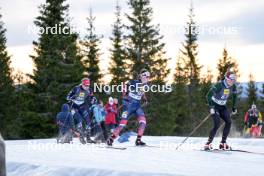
194	130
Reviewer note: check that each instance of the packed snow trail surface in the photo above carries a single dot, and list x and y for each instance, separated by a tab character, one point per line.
46	158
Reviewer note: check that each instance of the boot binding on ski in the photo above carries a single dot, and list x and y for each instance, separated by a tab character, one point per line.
208	146
224	146
139	142
109	141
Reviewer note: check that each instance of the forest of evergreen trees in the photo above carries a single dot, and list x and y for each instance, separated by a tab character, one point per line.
29	103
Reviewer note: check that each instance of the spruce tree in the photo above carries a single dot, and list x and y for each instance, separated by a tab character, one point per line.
190	51
91	51
26	123
144	46
252	91
6	82
167	110
225	63
206	83
180	76
192	68
58	65
205	86
118	67
15	124
179	98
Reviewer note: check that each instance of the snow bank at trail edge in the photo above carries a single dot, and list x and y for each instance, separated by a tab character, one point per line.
46	158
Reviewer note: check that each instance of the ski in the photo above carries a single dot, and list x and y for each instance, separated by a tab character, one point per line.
246	151
151	146
118	148
232	150
99	145
217	151
145	146
112	147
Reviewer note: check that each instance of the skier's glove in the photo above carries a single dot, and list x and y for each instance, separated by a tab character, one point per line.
234	111
93	100
212	111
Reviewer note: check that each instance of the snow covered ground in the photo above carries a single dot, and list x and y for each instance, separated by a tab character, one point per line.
46	158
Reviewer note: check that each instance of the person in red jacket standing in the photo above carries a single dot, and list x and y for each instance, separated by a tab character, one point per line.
111	112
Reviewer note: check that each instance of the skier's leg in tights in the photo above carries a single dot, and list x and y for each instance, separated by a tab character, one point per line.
216	121
227	119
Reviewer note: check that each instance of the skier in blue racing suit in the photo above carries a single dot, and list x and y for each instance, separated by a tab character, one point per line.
131	105
81	96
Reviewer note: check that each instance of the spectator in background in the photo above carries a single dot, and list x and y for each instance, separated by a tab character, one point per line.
117	107
66	124
111	112
253	122
2	157
99	118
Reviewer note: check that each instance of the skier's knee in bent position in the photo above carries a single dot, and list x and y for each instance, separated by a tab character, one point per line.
87	121
227	128
122	124
124	119
216	120
77	116
228	123
85	116
142	120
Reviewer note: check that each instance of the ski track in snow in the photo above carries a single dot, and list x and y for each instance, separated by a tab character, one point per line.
86	160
